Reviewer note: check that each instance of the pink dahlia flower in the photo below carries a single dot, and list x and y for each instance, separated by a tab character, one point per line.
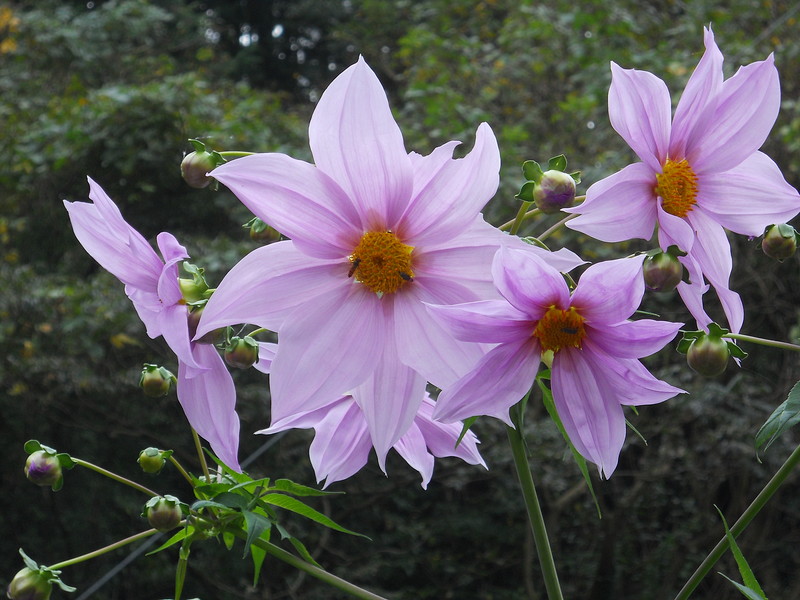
700	173
375	231
205	388
596	368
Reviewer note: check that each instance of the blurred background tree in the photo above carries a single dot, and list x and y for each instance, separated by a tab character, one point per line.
113	89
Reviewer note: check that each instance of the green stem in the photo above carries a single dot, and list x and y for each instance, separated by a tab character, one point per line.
535	516
763	341
201	455
114	476
101	551
522	214
314	571
737	528
180	468
548	232
234	154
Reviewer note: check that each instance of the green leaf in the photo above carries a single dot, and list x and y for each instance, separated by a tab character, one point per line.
735	351
784	417
251	485
296	506
256	525
526	192
29	562
746	591
258	554
290	487
636	431
32	446
745	571
557	163
180	536
547	397
576	176
465	428
532	171
298	545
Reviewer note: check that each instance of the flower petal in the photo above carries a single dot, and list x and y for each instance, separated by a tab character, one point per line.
266	354
640	109
633	339
341	445
610	291
173	324
356	141
413	450
674	231
528	283
487	321
441	438
297	199
620	207
635	385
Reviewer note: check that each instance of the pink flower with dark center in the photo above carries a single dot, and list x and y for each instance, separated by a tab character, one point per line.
700	174
596	349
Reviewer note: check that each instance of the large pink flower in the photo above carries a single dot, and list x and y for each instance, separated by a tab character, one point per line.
699	174
205	388
596	366
375	231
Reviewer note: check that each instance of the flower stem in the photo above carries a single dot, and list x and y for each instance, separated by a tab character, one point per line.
763	341
101	551
114	476
201	455
312	570
737	528
180	468
522	214
535	516
548	232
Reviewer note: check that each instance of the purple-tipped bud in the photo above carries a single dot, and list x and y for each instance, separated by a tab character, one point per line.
662	272
156	381
194	167
163	512
241	353
556	190
708	356
43	468
780	242
151	460
29	585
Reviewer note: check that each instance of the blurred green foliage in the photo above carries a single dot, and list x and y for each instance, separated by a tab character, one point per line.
114	89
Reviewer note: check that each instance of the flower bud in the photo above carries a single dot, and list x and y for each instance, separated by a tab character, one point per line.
780	242
151	460
212	337
662	272
261	232
556	190
163	512
156	381
29	585
241	353
708	355
194	167
43	468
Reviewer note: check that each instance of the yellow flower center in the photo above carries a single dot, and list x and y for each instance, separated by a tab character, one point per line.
560	328
381	262
677	186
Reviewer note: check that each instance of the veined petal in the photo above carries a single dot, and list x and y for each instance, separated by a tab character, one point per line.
341	444
297	199
413	450
209	401
633	339
487	321
528	283
171	250
266	354
610	291
692	293
635	385
499	380
268	284
588	408
620	207
701	90
750	197
460	188
711	248
349	329
674	231
441	438
173	324
640	109
747	107
356	141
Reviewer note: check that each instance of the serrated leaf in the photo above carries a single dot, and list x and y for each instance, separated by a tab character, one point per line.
557	163
256	525
180	536
746	591
745	571
290	487
786	416
296	506
258	554
532	171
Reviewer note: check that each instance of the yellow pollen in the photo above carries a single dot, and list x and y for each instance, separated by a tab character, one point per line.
677	186
560	328
381	262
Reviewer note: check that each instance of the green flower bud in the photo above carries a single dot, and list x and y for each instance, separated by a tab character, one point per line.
241	353
261	232
212	337
43	468
156	381
163	512
662	272
708	355
152	460
555	190
194	167
780	242
29	584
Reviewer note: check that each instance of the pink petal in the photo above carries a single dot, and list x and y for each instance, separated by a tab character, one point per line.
701	90
528	283
355	140
633	339
640	109
209	401
460	188
297	199
749	198
412	448
487	321
266	354
441	438
634	384
610	291
619	207
348	327
747	107
341	445
692	293
674	231
173	324
268	284
499	380
171	250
